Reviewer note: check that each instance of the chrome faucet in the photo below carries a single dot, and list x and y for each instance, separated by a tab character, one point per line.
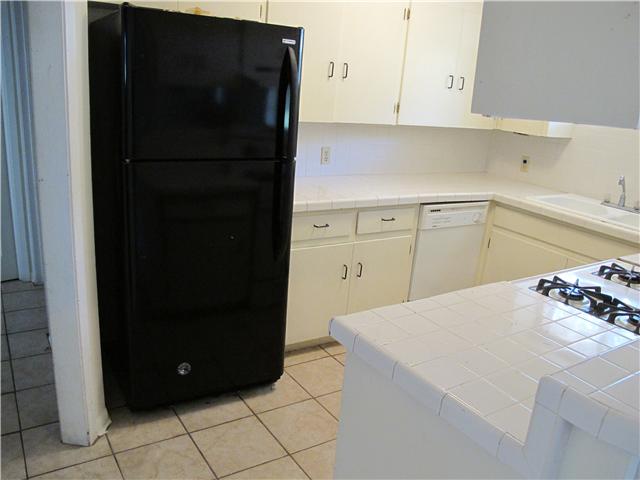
623	196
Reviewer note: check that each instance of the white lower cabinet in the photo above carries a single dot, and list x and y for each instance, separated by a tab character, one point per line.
510	257
380	273
346	261
318	290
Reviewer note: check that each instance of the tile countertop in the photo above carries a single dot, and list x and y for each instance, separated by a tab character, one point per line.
358	191
501	363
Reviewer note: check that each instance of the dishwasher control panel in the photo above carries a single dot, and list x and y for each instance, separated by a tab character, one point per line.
452	215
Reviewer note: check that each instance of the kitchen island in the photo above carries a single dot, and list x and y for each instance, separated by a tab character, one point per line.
495	381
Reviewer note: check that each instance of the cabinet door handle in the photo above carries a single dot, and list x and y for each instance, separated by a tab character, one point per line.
326	225
451	78
359	270
461	87
392	219
345	70
345	271
331	68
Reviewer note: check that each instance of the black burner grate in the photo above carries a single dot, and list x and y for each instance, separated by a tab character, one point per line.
624	275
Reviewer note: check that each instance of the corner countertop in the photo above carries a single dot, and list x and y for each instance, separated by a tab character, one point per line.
360	191
502	363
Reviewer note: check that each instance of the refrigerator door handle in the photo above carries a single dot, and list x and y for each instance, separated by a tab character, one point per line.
287	131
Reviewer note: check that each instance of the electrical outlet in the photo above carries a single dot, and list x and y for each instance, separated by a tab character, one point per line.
524	165
325	155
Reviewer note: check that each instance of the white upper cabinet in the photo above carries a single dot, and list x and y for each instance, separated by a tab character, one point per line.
352	58
320	70
574	62
439	66
238	9
370	62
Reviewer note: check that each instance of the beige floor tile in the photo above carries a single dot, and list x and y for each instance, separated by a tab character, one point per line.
318	461
281	469
33	371
24	344
21	300
5	348
211	411
301	425
303	355
45	452
332	403
102	469
12	458
318	377
37	406
237	445
134	429
170	459
9	414
284	392
7	378
342	358
334	348
26	320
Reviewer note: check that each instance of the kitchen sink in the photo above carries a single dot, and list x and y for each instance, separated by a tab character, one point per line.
590	207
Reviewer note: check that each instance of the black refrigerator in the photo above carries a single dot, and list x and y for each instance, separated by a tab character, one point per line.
193	144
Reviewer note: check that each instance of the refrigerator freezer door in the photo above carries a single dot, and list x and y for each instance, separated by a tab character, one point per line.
208	263
201	87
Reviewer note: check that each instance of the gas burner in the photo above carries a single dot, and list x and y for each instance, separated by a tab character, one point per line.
585	298
619	274
620	314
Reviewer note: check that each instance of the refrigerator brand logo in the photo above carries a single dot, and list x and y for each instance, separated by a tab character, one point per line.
288	41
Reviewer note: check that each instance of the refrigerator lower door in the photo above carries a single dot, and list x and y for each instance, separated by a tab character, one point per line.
208	271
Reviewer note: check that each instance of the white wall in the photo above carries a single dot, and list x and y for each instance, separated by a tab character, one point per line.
376	149
589	164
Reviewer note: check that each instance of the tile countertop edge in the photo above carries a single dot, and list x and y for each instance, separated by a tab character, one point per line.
557	406
306	205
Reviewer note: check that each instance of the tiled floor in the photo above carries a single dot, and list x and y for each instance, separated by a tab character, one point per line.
283	431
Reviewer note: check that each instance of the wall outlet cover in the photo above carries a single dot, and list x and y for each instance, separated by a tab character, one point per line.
524	163
325	155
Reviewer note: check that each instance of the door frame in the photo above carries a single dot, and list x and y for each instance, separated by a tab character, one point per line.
58	37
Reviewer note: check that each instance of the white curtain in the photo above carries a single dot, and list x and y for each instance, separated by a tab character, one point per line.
17	130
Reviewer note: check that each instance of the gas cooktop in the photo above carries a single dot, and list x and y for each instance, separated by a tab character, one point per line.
609	291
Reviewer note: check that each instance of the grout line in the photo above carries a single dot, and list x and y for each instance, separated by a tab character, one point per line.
316	399
69	466
259	465
113	454
194	442
23	309
276	439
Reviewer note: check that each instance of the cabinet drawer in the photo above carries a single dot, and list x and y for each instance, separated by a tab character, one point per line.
329	225
376	221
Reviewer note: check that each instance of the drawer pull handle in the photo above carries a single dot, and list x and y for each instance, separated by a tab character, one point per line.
326	225
392	219
345	271
359	270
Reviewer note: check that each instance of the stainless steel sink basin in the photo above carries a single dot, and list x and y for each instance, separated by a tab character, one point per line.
592	208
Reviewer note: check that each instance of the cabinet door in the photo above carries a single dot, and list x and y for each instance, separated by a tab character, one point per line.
239	9
318	290
466	68
320	70
370	64
511	257
380	273
430	65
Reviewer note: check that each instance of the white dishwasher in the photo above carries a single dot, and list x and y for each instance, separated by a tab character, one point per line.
447	247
